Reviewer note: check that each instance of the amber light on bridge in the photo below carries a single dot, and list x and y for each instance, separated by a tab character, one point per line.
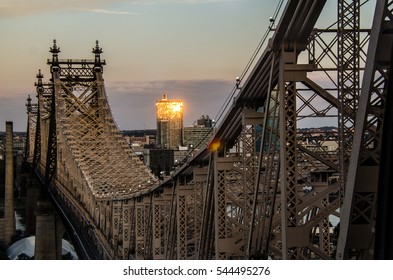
214	145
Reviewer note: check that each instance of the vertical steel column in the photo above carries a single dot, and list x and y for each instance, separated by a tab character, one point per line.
161	213
189	207
205	238
288	156
357	227
182	222
229	211
170	211
383	249
140	229
143	228
251	119
295	237
128	228
116	224
149	228
348	80
171	236
31	128
220	206
38	132
51	155
200	177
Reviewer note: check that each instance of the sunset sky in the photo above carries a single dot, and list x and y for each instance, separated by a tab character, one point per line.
189	49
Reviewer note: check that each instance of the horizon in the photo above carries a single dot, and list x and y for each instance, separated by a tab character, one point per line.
190	50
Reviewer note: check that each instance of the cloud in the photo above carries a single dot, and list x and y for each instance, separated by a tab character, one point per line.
15	8
180	1
104	11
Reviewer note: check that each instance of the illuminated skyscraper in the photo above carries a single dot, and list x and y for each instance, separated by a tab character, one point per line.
169	115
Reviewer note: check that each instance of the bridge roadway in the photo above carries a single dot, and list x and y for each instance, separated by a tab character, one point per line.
231	200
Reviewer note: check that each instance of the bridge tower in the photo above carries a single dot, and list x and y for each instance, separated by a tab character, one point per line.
82	159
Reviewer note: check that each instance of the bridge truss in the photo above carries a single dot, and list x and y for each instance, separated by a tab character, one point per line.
259	189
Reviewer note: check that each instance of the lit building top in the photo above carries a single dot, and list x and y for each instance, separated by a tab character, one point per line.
169	109
169	115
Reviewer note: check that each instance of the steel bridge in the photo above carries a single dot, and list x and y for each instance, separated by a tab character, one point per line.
256	191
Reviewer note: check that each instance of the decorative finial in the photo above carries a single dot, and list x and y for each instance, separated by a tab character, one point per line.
39	75
28	104
54	49
97	60
97	50
55	59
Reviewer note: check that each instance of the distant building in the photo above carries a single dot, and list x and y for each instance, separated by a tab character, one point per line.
180	156
169	116
205	121
161	161
198	135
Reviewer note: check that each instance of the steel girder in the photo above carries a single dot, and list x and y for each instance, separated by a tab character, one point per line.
348	80
300	215
358	216
168	221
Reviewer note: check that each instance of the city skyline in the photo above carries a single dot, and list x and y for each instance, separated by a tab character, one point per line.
191	50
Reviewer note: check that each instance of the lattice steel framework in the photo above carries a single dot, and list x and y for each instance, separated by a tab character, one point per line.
265	233
206	235
82	156
306	229
256	190
359	207
348	55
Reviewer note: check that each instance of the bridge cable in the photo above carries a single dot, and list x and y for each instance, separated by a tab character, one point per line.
251	61
245	71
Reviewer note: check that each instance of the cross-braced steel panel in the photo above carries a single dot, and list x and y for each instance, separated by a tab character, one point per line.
229	208
359	206
161	220
128	226
348	80
189	218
